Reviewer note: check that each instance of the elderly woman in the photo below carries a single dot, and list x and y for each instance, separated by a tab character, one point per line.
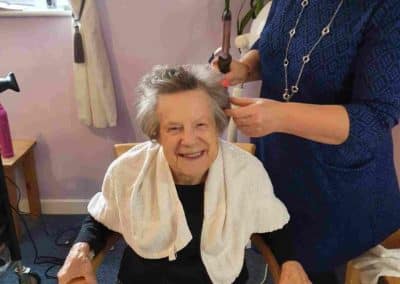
185	202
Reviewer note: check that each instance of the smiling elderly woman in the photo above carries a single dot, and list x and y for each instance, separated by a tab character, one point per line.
185	202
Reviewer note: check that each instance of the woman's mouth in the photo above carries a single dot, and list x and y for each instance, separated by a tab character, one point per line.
192	155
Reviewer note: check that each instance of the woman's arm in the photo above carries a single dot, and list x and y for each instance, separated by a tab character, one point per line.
320	123
94	233
77	265
246	70
91	238
292	272
252	61
328	124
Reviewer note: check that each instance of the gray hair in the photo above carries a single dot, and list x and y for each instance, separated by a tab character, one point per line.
164	80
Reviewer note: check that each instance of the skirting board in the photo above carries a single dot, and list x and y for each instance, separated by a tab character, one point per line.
58	206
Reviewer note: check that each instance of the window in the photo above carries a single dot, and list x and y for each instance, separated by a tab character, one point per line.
34	5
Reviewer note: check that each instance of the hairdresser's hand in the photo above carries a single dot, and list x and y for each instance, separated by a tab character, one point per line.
255	117
293	273
77	267
238	72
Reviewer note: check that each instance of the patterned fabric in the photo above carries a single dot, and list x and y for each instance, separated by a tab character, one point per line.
343	199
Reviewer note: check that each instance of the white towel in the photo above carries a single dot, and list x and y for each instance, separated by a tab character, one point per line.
139	200
378	262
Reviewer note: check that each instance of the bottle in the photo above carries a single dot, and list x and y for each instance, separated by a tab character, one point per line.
6	148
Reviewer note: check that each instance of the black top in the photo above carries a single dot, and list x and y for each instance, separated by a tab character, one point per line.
187	268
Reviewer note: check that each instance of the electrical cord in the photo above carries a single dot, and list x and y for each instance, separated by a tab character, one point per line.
38	259
53	261
41	218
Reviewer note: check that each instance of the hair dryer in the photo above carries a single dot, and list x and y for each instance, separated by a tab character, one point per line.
9	82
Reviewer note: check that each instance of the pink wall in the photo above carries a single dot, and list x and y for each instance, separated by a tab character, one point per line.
71	158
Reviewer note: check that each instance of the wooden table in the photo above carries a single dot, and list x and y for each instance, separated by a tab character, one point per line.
23	156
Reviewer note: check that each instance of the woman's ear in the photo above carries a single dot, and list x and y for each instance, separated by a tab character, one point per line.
155	137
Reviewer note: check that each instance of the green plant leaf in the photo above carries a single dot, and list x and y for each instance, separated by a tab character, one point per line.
259	5
245	20
255	7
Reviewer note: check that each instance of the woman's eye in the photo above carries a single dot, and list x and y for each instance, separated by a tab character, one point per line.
202	125
173	129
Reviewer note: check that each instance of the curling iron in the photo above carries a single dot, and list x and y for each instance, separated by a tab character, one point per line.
225	59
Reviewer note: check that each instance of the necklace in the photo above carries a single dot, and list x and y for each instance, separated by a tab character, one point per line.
294	89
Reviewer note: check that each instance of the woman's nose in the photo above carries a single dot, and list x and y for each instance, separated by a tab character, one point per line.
188	137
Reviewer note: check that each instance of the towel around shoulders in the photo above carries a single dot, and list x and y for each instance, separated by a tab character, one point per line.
139	200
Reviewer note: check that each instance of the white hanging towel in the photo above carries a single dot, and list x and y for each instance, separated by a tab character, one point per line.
94	90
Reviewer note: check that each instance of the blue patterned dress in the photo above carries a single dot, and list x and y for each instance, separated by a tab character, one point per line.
342	199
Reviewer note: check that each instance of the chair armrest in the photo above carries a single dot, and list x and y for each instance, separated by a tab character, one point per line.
389	280
268	256
393	241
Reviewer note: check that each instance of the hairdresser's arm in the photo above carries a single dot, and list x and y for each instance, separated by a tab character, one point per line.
252	61
328	124
246	70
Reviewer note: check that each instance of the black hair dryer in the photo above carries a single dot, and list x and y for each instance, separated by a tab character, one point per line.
9	82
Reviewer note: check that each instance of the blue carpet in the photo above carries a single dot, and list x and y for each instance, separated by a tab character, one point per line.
64	228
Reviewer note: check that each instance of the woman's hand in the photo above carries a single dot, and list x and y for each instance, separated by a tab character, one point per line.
246	70
255	117
293	273
238	73
77	266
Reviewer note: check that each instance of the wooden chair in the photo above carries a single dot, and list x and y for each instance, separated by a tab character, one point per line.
353	275
256	239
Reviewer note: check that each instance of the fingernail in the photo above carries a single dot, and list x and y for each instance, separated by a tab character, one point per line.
225	83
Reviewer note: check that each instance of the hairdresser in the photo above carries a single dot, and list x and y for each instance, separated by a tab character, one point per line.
330	96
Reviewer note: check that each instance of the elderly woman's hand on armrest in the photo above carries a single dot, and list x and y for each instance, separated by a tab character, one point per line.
77	265
293	273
